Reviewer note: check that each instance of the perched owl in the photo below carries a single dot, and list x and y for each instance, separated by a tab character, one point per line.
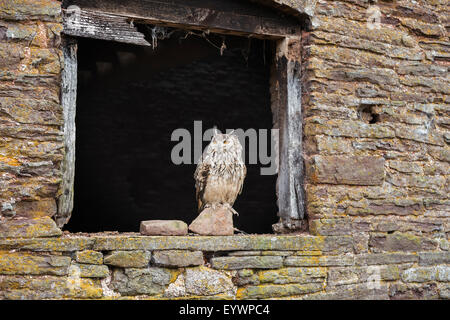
220	172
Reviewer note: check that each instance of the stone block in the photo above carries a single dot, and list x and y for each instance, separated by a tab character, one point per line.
277	291
361	170
36	209
257	262
128	259
399	241
61	244
322	261
149	281
292	275
89	270
219	243
177	258
433	258
401	291
425	274
45	10
163	228
385	258
89	257
29	228
32	264
49	287
203	281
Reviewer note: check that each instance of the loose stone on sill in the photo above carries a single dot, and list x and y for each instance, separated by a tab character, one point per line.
212	222
163	228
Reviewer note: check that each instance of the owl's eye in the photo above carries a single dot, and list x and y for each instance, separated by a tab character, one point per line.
225	142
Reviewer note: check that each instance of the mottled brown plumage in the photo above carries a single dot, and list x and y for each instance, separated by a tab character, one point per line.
220	172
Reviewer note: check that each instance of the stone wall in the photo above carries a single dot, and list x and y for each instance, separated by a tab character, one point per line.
107	266
31	140
376	134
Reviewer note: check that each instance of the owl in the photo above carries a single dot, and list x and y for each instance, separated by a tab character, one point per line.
220	172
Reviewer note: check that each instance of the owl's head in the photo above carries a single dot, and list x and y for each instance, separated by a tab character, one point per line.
225	142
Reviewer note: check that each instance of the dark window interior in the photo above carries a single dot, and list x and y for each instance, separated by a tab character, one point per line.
131	98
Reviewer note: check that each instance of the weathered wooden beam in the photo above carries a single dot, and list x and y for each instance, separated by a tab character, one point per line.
215	16
98	25
68	102
288	99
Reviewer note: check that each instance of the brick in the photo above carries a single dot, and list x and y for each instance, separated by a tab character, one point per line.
89	257
342	260
367	170
128	259
233	263
177	258
385	258
276	291
426	274
29	228
31	264
433	258
89	270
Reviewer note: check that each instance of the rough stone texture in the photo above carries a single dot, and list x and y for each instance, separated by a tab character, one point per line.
27	263
211	222
177	258
365	171
149	281
232	263
203	281
163	228
128	259
89	257
31	144
38	227
90	270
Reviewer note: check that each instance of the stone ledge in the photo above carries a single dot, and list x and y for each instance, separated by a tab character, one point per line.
104	242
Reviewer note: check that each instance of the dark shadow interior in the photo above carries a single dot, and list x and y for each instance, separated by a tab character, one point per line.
130	99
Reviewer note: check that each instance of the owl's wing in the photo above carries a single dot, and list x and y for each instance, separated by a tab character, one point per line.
242	177
201	176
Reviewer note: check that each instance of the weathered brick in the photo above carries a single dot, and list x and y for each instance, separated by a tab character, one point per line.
399	241
177	258
426	274
233	263
149	281
128	259
433	258
29	228
32	264
273	291
348	170
342	260
89	257
48	287
292	275
89	270
385	258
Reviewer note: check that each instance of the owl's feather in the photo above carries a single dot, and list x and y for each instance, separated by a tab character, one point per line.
220	173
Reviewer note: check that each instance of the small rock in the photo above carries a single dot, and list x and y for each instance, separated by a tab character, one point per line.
212	222
163	228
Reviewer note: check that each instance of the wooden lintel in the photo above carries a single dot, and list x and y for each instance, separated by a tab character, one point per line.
220	18
98	25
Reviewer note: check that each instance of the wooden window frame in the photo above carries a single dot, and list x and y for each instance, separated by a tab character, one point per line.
95	20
